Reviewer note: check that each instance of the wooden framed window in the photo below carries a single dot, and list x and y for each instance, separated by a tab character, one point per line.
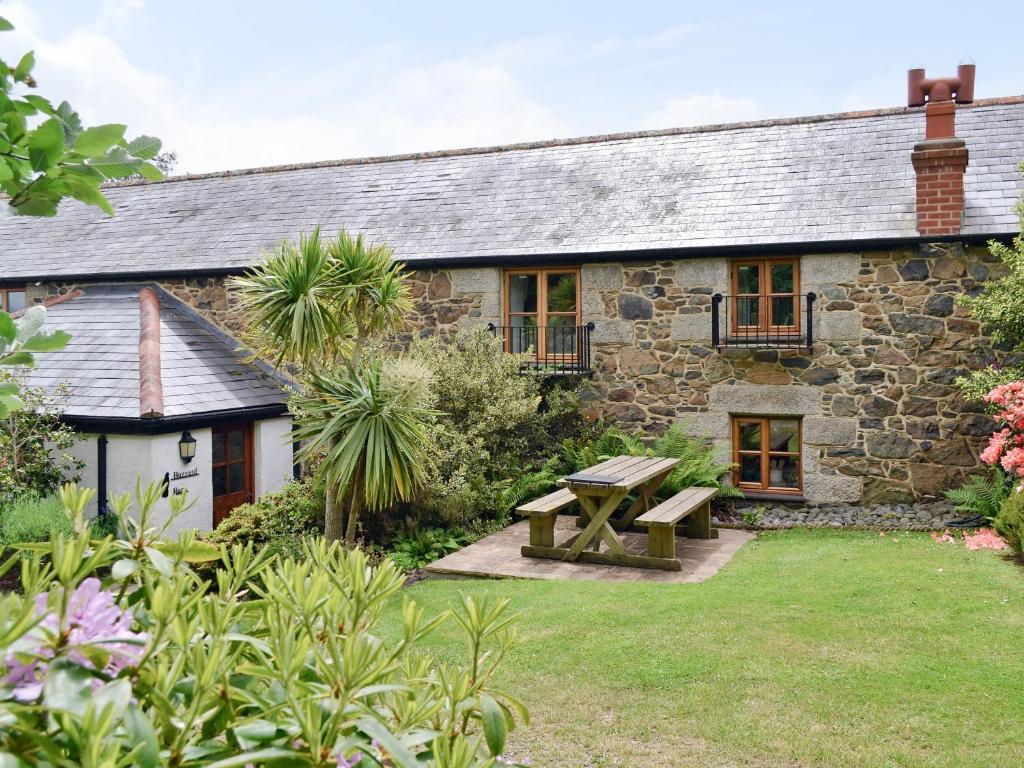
767	453
767	295
542	312
12	298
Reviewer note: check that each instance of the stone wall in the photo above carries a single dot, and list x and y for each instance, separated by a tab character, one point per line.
882	419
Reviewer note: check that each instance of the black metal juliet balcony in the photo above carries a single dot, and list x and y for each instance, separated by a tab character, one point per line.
758	322
552	348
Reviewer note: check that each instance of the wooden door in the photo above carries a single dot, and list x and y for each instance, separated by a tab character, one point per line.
232	469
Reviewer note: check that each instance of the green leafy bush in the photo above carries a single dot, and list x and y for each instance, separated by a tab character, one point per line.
1009	523
982	495
424	546
35	445
498	424
117	653
277	521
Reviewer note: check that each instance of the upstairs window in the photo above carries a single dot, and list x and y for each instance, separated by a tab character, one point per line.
12	299
767	454
766	295
542	312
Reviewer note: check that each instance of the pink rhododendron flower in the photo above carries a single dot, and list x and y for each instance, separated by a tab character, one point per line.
984	538
92	619
945	538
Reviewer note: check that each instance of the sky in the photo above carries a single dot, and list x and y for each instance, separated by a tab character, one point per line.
243	84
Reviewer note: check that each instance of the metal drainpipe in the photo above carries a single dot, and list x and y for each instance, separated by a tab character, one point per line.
296	465
101	475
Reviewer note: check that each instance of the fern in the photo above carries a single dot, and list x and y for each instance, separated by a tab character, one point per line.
530	485
698	466
612	442
982	495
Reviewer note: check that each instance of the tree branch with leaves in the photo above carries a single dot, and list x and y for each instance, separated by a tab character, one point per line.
46	154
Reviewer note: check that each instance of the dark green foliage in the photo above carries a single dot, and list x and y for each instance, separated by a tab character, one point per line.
422	547
982	495
1009	523
698	464
277	520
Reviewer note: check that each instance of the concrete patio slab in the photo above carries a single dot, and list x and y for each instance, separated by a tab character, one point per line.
498	557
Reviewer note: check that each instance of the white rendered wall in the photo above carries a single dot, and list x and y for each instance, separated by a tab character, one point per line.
150	457
272	460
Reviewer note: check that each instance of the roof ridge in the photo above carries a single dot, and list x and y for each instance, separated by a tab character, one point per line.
563	142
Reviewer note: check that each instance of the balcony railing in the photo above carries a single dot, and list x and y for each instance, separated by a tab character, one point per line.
775	322
555	348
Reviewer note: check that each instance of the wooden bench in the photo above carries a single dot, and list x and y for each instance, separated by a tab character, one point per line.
661	521
542	513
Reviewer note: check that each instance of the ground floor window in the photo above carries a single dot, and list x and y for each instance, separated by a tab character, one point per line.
12	299
766	451
232	470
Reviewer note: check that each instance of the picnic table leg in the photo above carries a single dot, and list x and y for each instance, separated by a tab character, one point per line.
598	525
643	500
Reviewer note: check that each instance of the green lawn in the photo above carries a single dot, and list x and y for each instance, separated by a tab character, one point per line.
811	648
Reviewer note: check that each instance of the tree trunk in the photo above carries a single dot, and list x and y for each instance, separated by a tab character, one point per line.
353	511
333	512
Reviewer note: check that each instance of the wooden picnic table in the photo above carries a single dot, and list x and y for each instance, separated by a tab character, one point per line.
600	490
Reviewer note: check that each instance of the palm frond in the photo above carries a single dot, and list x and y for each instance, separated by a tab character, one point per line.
366	431
293	312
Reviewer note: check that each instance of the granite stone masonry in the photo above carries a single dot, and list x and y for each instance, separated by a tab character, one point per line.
883	422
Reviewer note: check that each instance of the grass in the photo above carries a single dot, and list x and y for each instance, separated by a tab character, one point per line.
30	518
811	648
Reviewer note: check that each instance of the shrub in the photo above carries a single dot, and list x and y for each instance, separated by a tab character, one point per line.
118	653
422	547
497	424
35	446
277	521
1009	523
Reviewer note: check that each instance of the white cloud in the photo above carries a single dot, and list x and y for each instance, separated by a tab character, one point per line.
702	109
357	108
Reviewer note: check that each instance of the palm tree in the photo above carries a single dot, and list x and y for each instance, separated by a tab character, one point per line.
317	305
371	436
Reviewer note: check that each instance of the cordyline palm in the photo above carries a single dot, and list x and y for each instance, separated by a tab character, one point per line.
318	305
371	436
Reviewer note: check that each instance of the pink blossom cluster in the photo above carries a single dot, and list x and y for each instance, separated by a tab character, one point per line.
983	538
93	618
1006	446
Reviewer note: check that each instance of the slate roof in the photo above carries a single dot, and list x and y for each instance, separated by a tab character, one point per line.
829	179
201	370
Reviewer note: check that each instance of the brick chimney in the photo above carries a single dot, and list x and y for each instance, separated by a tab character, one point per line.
941	159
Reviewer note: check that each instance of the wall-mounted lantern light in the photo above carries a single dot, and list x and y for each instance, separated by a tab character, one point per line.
187	447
